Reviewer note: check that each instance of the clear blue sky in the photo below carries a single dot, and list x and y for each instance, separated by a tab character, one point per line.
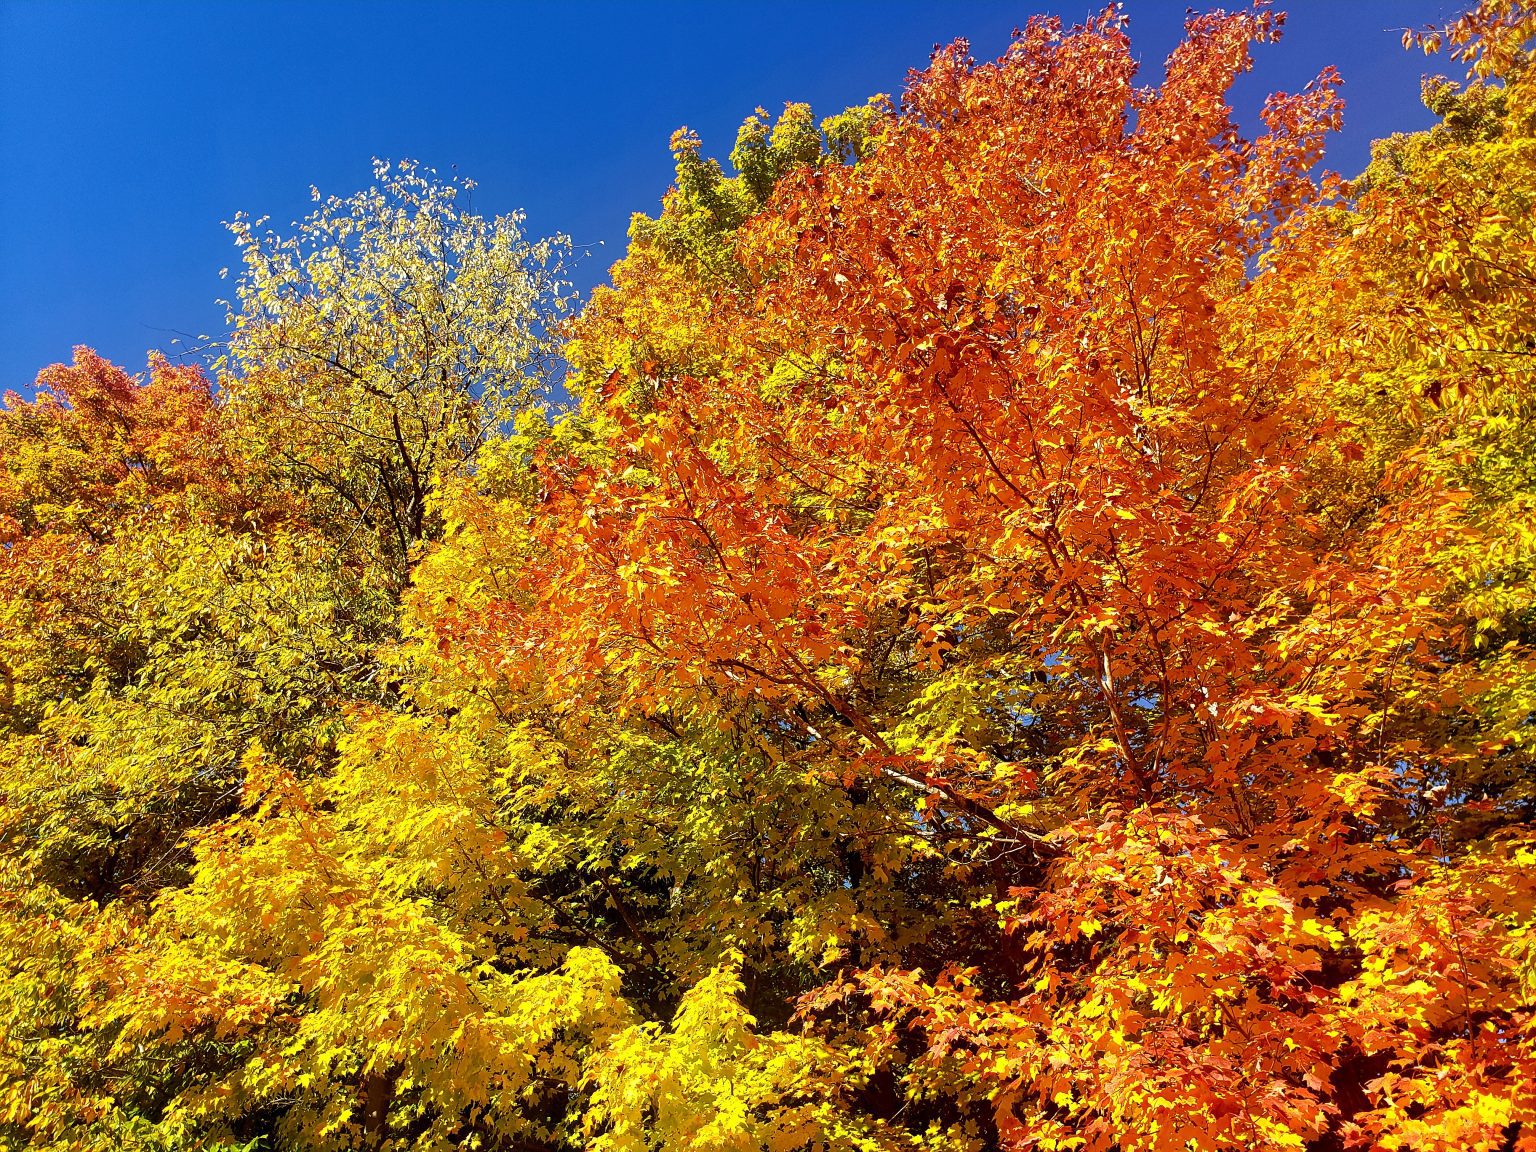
130	130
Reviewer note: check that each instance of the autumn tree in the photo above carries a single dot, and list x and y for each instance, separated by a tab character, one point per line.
198	580
1010	506
380	344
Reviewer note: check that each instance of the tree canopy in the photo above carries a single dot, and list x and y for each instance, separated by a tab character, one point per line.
1023	637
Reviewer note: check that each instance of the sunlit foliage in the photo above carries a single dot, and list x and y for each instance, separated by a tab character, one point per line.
1023	638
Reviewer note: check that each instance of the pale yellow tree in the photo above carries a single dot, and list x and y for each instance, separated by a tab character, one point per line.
378	345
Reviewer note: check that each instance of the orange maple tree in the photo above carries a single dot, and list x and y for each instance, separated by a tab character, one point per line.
1019	499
